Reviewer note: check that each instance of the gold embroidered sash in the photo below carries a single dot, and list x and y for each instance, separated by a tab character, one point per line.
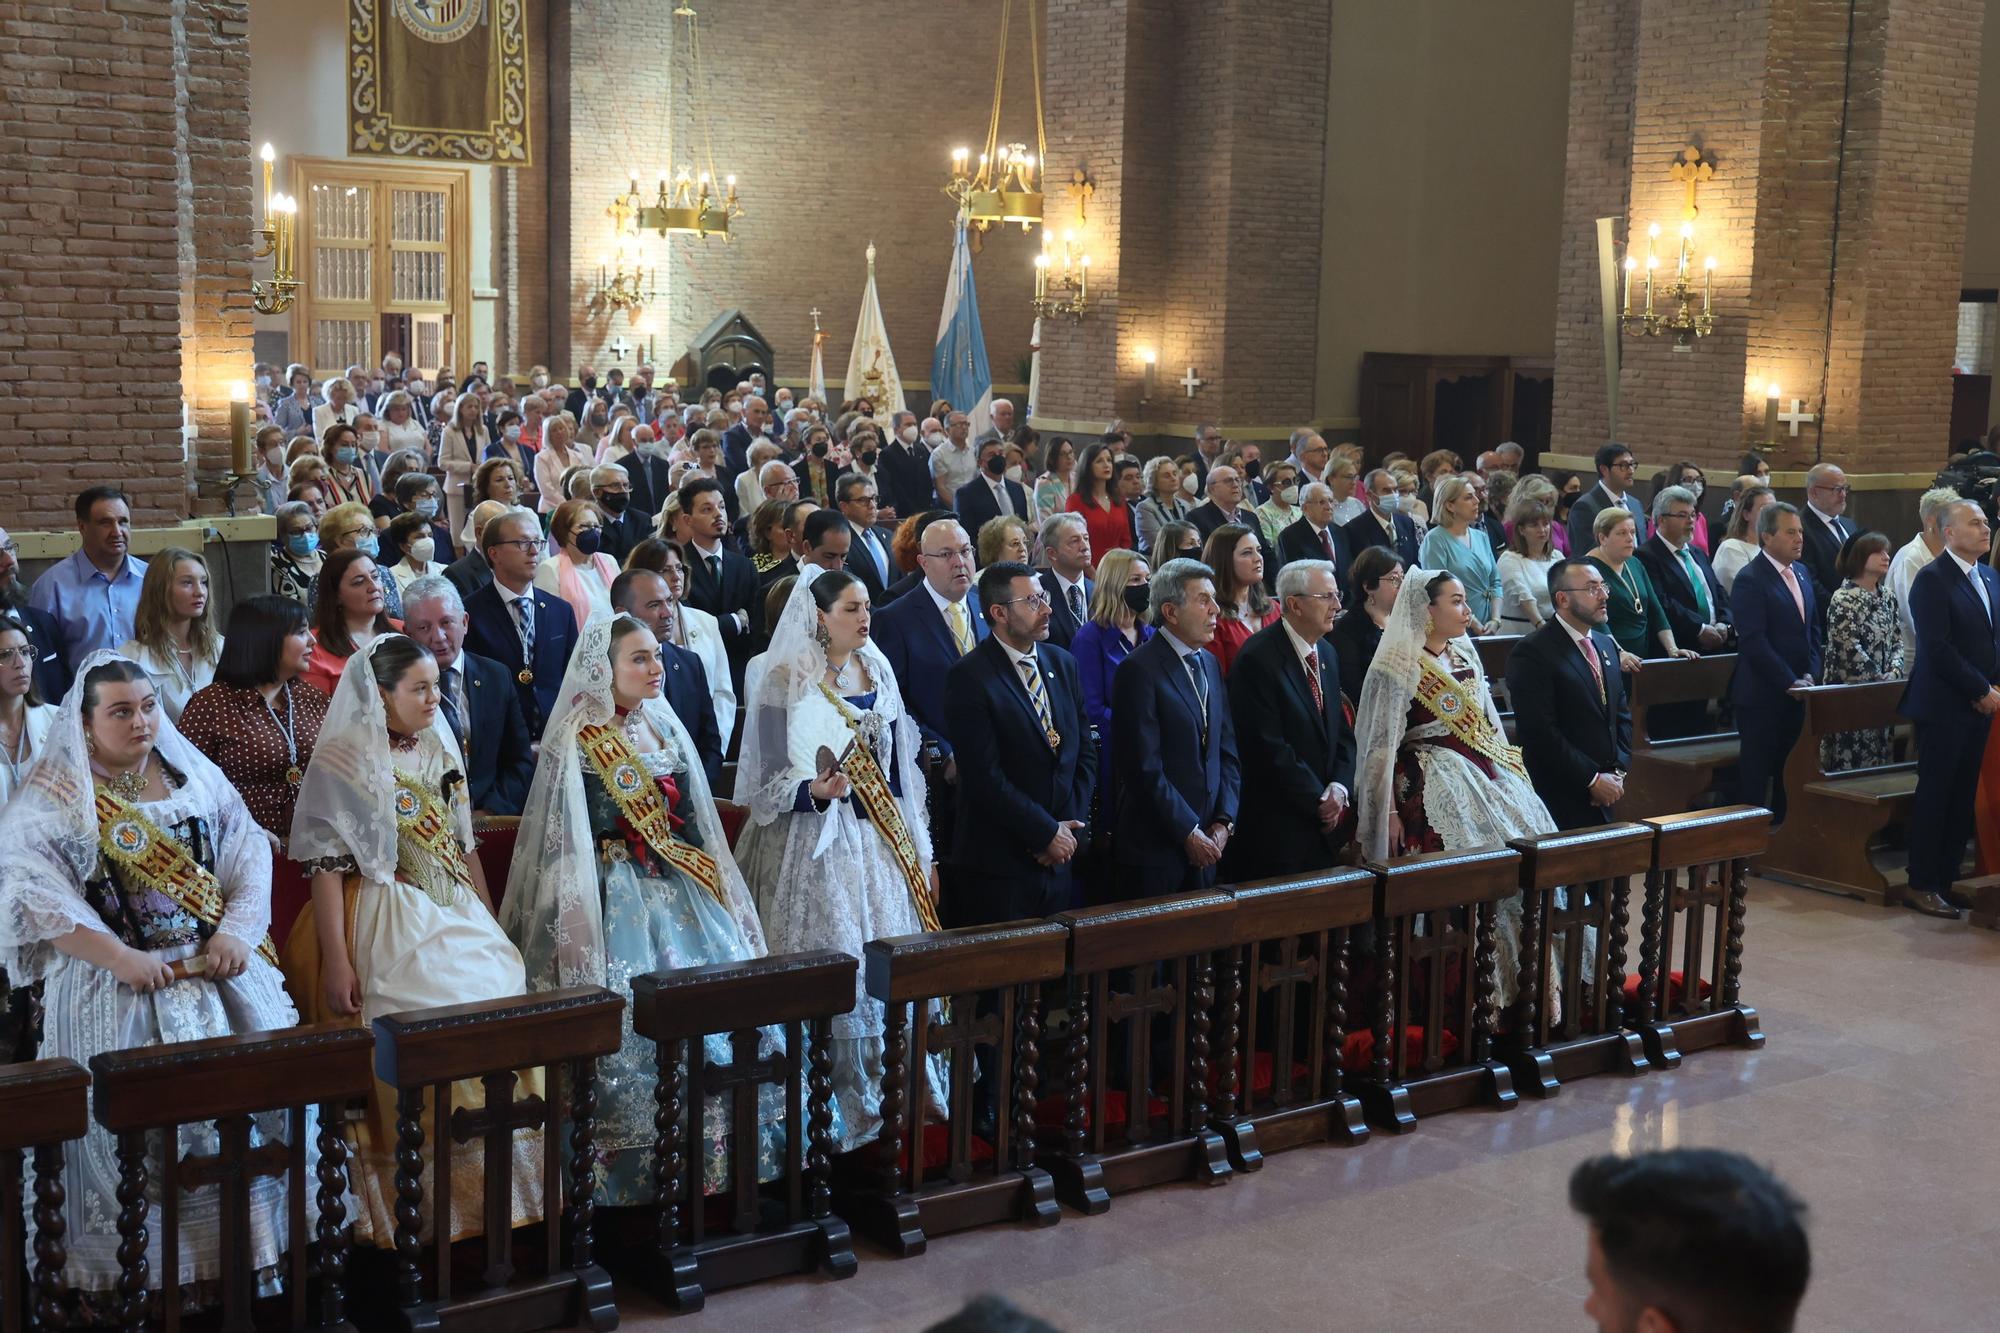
428	852
872	790
1458	708
157	860
644	806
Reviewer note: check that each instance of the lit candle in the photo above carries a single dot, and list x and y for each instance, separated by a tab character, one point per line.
1771	411
1630	264
239	428
1651	264
269	156
1041	276
1083	287
1652	234
1687	238
1707	283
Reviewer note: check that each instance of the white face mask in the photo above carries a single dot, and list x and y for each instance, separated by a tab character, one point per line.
1288	495
936	441
1014	473
1698	488
421	550
513	432
1391	503
908	435
1188	483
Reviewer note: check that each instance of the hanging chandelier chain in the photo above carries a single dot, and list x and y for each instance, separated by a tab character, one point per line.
1035	67
992	155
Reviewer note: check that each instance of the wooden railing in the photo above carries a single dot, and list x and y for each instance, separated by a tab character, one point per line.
43	1104
1696	897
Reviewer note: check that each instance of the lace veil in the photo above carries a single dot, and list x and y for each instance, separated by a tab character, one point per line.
553	909
49	839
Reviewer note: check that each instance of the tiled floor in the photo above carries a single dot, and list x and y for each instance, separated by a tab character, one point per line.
1877	1097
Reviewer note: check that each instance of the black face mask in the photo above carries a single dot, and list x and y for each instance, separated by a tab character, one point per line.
614	503
996	466
590	381
1252	468
1138	598
868	458
819	450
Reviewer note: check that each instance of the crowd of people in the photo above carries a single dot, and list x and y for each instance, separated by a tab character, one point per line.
976	678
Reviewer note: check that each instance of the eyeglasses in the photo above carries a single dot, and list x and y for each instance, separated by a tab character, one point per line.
10	548
1032	599
1834	490
522	543
1679	513
961	553
1319	596
9	656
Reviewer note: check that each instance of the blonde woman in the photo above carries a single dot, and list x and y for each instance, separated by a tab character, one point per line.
173	631
339	405
558	454
461	445
580	574
1003	538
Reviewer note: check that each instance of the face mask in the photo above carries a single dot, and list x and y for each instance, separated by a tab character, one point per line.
616	502
1014	473
588	540
368	545
264	382
301	545
996	466
1188	483
908	435
275	462
513	433
590	381
1698	488
868	457
1391	504
421	550
819	450
1138	598
784	406
1253	467
428	507
345	455
1288	494
935	440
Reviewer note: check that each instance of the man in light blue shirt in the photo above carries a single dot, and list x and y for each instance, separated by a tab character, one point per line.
94	594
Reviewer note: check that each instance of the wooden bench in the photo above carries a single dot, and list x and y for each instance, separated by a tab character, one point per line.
1984	891
496	835
423	1052
990	978
1456	896
1132	965
1494	652
800	993
1697	886
1592	870
43	1104
1831	819
1668	777
1288	952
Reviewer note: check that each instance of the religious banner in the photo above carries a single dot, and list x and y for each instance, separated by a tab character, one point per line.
441	80
871	366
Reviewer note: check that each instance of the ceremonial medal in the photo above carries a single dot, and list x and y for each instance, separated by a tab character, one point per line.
294	776
1054	738
525	676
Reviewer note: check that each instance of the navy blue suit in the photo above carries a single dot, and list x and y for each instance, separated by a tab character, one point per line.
1363	531
976	506
1062	624
736	591
52	670
912	633
1014	789
493	633
500	756
1174	776
1958	660
687	690
1774	649
1300	747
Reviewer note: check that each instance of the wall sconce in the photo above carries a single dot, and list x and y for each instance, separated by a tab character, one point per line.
1149	364
1679	316
1774	417
623	284
275	242
1062	271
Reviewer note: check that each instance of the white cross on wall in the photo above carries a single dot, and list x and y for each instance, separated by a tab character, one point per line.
619	347
1797	416
1190	383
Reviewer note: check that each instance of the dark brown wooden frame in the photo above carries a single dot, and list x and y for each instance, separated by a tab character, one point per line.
1824	841
1666	777
423	1052
228	1080
1177	935
1285	936
1593	869
1455	895
1701	865
43	1104
802	993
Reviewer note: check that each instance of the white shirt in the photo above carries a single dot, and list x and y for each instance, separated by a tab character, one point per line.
1908	563
944	605
1978	584
36	721
1310	651
1832	523
174	686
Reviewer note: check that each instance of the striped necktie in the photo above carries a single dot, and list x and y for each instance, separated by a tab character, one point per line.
1038	695
961	627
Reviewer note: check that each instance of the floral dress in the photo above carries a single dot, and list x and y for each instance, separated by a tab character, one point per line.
1864	642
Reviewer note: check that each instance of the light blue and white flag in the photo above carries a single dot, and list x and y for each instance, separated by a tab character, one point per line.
959	372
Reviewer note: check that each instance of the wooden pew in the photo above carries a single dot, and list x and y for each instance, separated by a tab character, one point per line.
43	1104
228	1080
1670	776
1593	869
801	993
1697	885
1831	819
1455	895
999	969
423	1052
1288	951
496	835
1129	965
1494	652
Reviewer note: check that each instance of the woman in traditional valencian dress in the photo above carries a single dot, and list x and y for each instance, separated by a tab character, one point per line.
135	886
830	764
399	917
623	869
1437	773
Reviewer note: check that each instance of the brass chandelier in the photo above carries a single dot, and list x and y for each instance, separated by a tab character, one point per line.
1002	186
698	201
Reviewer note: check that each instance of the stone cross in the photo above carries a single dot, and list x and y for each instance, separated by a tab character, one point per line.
1190	383
1797	417
619	347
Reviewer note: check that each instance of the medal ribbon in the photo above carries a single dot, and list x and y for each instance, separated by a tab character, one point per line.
160	862
1458	708
872	790
640	800
423	825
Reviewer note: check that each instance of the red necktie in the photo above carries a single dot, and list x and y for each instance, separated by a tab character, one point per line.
1596	667
1312	679
1326	542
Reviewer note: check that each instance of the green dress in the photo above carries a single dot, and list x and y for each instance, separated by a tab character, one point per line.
1636	618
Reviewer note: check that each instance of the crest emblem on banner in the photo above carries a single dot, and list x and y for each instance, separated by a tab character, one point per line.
440	20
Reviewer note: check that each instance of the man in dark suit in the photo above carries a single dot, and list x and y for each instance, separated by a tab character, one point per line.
1694	601
868	555
470	572
905	469
1955	601
526	630
1569	702
989	494
1284	698
1383	523
924	632
1778	650
478	701
650	472
1066	539
1014	712
736	441
1314	536
644	596
1827	528
1615	469
624	526
1173	744
721	581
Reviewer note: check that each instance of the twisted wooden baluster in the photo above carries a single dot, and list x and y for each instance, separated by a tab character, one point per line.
1486	963
1027	1078
410	1195
331	1229
1382	1068
50	1230
1076	1114
669	1155
582	1162
1336	1013
819	1115
1528	1005
1200	1001
133	1269
1739	909
1659	886
1614	964
895	1053
1226	1039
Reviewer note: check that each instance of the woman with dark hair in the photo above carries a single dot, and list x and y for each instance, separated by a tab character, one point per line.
345	480
399	918
1376	576
1179	540
1052	486
1236	558
1095	496
173	633
135	888
24	718
1690	476
347	614
1864	642
295	557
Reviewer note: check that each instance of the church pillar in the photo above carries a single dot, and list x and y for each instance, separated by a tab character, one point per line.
1841	137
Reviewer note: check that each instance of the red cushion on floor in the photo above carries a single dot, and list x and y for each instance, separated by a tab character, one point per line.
1359	1051
937	1147
1261	1076
1675	987
1050	1113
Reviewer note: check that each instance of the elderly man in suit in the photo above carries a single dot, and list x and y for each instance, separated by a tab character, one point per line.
529	632
1284	698
1615	469
645	596
1174	744
1314	537
1066	539
1569	701
1778	651
1383	523
1827	527
476	699
1955	601
736	441
989	495
1694	601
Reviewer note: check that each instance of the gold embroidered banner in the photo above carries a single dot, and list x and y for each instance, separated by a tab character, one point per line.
441	80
